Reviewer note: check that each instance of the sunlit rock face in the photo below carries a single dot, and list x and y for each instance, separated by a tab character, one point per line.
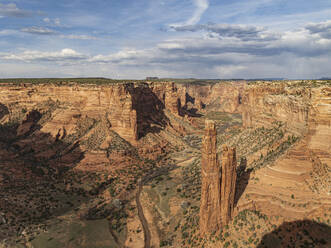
210	206
228	183
217	194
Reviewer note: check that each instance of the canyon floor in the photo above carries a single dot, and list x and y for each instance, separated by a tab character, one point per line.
68	180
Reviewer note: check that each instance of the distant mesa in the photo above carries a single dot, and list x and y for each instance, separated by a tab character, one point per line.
151	78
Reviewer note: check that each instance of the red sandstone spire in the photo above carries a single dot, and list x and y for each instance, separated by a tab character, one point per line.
210	210
228	183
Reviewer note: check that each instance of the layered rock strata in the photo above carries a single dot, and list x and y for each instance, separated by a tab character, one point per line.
217	195
131	109
265	104
210	206
228	183
224	96
305	110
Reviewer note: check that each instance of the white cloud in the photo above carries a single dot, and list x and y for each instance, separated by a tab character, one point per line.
6	32
323	29
57	22
11	10
65	55
241	52
78	37
38	30
201	7
243	32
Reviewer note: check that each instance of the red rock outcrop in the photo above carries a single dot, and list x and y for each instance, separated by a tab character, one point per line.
217	195
305	110
30	120
210	208
76	101
222	96
319	123
172	100
226	97
228	183
132	109
264	104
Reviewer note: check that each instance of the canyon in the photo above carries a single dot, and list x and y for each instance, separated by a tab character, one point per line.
114	161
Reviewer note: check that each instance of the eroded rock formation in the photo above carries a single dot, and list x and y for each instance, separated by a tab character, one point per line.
217	195
265	104
228	183
225	96
210	208
305	110
132	109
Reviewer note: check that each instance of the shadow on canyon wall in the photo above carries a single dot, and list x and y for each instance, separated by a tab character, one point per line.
32	174
190	111
3	110
150	111
301	233
243	176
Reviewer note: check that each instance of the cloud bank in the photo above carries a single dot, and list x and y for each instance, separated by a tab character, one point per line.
11	10
323	29
236	51
38	30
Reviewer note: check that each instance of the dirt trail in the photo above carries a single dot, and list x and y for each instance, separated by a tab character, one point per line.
147	233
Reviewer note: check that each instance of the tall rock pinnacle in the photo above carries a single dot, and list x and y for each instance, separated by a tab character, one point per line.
210	209
228	183
217	195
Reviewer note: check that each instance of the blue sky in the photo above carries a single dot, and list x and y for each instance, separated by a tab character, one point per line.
165	38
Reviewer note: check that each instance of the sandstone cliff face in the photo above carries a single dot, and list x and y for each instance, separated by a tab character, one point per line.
226	97
167	93
223	96
131	109
77	101
305	110
319	124
150	100
195	95
228	183
265	104
210	206
172	101
121	114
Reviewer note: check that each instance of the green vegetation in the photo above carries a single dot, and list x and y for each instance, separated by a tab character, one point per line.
87	234
293	83
250	141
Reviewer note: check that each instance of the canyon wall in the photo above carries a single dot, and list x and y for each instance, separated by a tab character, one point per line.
305	109
319	123
114	102
267	103
223	96
130	108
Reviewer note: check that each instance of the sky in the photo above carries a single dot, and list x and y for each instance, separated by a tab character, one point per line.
134	39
